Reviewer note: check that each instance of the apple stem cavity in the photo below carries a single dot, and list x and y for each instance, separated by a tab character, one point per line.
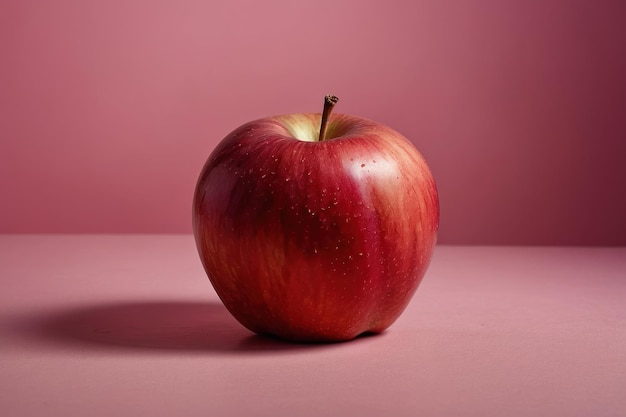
329	104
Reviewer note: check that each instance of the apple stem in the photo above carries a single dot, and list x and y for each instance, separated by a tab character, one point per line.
329	103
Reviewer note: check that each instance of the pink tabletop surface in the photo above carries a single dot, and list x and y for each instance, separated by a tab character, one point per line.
129	325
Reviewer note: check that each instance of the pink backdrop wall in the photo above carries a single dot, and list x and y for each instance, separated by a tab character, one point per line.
109	108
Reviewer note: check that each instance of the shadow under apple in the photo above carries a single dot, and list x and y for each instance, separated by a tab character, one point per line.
158	325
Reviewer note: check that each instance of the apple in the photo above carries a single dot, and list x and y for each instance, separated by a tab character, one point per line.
315	227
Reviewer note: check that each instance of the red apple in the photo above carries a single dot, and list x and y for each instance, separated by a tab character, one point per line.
315	227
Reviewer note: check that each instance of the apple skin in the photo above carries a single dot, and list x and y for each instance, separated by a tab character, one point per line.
315	241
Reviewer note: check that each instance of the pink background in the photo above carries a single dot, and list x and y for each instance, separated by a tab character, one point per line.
109	108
